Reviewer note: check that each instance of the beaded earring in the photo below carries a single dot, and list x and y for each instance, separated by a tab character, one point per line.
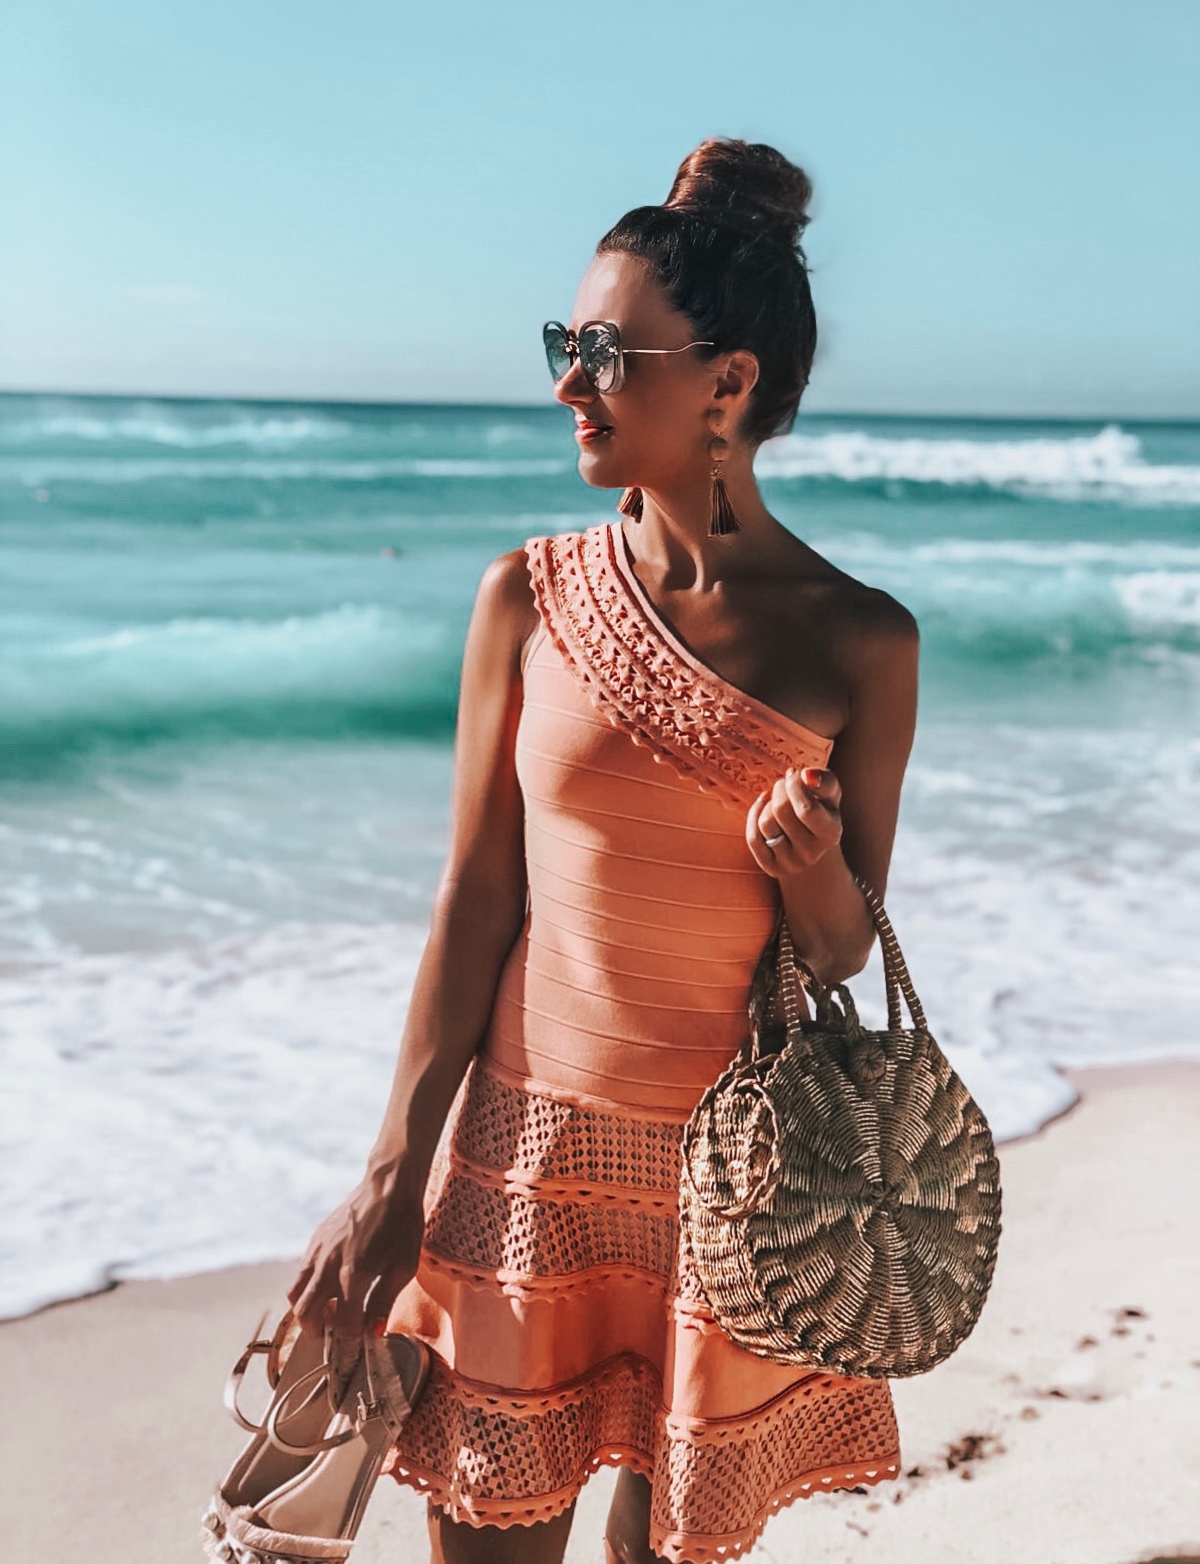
721	516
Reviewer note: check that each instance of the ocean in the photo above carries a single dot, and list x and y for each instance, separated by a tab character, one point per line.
230	637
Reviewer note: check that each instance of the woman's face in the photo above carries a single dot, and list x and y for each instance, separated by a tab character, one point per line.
656	429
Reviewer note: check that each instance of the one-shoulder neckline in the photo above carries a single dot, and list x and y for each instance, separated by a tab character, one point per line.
618	550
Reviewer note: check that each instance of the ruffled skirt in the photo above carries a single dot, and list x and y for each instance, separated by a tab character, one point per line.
569	1332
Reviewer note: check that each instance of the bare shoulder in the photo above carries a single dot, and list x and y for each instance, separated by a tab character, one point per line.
505	604
505	581
872	620
876	647
858	617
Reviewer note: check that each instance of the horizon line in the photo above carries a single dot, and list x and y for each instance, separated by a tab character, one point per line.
1183	420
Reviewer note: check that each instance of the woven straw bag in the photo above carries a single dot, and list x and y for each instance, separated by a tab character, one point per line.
840	1193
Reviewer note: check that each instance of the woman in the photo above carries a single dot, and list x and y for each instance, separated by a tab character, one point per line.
649	712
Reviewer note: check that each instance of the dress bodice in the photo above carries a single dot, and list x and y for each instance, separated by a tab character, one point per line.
647	913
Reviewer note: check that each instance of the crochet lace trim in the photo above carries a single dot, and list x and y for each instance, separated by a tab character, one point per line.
704	728
538	1197
534	1194
583	1191
679	1547
465	1440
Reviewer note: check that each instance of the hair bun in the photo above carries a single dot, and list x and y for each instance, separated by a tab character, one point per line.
745	184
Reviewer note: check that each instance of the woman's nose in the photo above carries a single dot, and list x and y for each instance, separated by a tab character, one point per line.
573	387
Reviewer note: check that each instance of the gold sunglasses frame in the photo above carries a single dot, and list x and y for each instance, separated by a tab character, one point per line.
571	338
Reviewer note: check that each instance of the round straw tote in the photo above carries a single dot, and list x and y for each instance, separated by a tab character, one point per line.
840	1194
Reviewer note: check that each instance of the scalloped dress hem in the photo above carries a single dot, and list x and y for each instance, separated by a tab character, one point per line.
678	1547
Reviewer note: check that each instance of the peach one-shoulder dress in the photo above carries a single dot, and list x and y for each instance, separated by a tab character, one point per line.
569	1330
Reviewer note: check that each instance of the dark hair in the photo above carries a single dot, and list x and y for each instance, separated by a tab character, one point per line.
725	246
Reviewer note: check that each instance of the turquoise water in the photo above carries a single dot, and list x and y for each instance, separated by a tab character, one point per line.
230	637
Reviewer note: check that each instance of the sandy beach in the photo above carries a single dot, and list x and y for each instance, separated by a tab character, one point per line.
1066	1430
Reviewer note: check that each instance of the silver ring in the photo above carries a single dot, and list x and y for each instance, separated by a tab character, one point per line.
773	841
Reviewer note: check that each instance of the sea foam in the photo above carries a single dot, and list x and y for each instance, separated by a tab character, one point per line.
207	1105
1104	466
152	425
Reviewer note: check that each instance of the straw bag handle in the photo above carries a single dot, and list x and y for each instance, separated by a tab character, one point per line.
895	969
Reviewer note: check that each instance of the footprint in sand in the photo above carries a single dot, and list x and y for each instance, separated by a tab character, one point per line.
1101	1366
960	1455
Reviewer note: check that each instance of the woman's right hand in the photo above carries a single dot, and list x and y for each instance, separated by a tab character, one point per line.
370	1234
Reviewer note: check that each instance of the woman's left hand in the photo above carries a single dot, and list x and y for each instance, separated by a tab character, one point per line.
804	806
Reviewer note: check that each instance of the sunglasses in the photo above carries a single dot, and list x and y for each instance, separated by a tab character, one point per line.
597	345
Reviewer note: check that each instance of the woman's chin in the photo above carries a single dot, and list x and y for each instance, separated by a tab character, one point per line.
599	473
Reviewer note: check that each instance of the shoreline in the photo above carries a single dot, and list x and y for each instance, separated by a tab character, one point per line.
1091	1078
1064	1428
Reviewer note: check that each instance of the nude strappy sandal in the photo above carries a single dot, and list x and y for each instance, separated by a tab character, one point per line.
262	1466
298	1491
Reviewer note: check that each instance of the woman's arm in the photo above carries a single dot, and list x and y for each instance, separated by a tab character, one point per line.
478	913
845	824
480	903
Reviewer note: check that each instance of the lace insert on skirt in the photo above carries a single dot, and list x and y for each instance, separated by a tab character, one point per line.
569	1215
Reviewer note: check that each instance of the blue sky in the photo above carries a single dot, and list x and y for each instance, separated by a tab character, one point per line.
359	200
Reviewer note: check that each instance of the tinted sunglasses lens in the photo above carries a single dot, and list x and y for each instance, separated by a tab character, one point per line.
599	353
558	355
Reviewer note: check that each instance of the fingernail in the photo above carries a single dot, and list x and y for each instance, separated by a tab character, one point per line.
812	777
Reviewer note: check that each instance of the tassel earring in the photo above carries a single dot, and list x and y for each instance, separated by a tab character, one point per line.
721	516
630	504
